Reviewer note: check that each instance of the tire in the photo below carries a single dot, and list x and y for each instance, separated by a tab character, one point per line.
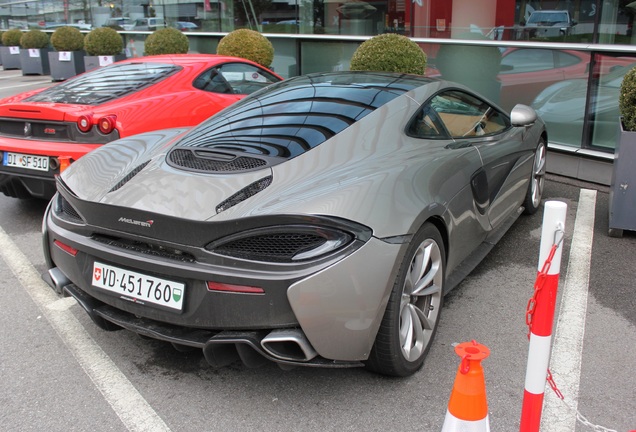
534	194
412	313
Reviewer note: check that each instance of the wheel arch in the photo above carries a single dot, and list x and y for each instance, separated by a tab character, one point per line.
440	225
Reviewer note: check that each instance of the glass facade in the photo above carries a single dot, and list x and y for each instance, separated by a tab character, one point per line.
552	55
584	21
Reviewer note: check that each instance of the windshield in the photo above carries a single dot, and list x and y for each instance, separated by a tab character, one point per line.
548	18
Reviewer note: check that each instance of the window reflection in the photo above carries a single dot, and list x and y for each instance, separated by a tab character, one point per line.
505	20
563	106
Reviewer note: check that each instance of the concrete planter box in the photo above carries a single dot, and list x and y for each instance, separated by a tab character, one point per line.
93	62
10	57
622	196
35	61
66	64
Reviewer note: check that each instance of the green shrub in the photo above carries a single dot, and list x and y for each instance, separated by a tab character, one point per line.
103	41
12	37
167	40
247	44
67	39
34	39
389	52
627	100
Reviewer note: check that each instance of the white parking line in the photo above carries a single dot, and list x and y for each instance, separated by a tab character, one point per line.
133	410
567	348
32	83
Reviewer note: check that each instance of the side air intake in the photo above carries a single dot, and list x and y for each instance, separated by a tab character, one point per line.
244	193
128	177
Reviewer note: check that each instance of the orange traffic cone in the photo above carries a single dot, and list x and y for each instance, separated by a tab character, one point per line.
467	407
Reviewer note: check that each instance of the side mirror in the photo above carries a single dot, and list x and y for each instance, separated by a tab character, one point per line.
522	115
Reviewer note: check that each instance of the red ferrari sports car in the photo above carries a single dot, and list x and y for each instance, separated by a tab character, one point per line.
43	131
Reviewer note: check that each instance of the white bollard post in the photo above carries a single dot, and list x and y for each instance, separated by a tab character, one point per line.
540	314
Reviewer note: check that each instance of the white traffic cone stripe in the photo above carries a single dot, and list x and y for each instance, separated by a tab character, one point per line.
453	424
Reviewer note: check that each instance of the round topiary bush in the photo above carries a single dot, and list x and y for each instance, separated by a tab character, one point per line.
34	39
167	40
247	44
67	39
627	100
103	41
12	37
389	52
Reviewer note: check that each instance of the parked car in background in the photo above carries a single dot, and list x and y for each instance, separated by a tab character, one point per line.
562	105
123	22
549	23
525	72
79	26
148	24
318	222
43	131
185	25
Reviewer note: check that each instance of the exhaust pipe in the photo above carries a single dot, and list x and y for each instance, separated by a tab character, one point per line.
58	279
288	344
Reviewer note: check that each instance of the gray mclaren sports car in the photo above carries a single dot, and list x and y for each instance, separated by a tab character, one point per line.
317	222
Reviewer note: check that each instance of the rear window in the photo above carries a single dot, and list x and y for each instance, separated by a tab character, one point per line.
106	84
294	116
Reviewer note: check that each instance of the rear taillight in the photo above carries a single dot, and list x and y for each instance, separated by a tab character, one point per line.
106	124
241	289
85	123
66	248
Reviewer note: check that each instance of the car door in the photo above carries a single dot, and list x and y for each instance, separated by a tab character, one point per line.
499	186
458	180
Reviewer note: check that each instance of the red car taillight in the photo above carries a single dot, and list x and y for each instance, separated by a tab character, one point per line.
106	124
66	248
219	286
85	123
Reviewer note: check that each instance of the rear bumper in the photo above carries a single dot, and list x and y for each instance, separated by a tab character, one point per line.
74	150
333	308
288	347
21	182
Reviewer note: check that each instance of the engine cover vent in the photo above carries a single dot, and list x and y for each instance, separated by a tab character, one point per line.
214	162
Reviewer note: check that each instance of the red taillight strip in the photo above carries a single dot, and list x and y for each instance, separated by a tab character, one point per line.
218	286
66	248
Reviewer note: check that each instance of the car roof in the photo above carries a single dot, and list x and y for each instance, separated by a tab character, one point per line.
120	79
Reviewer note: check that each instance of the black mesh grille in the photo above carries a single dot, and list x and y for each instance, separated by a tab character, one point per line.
244	193
129	176
145	248
189	159
280	247
67	212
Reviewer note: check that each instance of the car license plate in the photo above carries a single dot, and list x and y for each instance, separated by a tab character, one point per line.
32	162
137	287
